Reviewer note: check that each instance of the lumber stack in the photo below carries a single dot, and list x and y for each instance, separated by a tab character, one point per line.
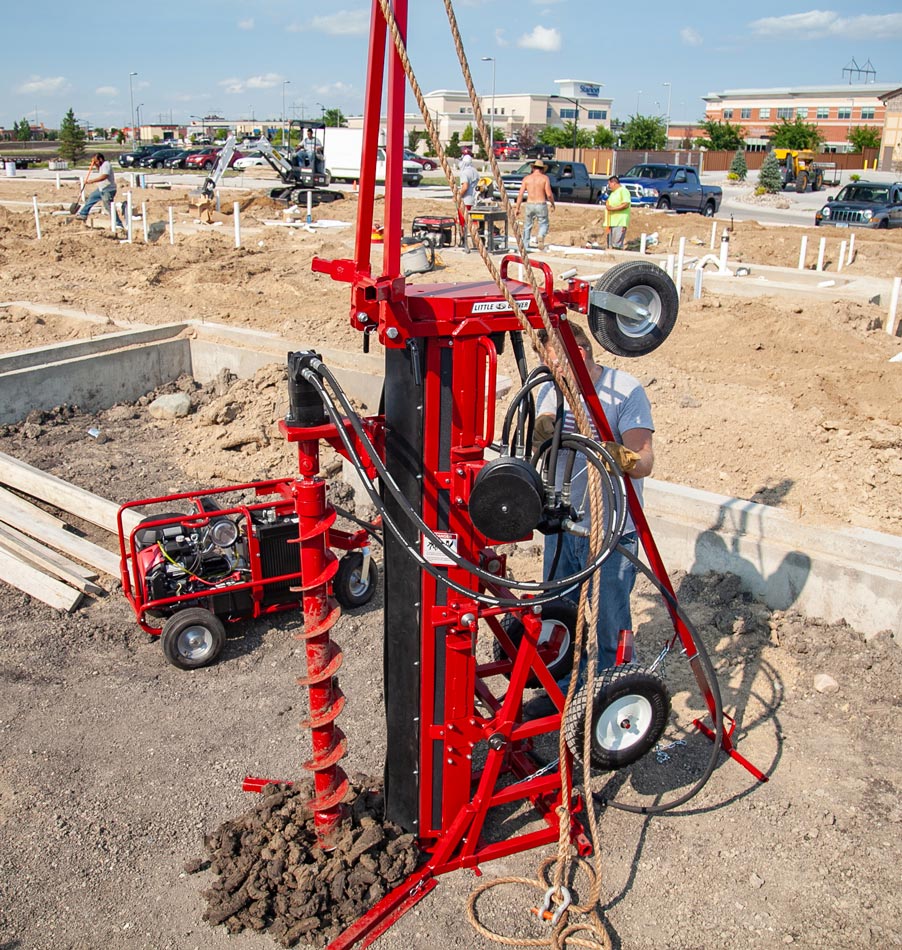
40	553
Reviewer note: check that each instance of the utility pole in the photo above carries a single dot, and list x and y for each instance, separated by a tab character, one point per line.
491	149
285	82
131	98
667	133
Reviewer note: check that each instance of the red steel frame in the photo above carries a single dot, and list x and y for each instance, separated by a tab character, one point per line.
454	797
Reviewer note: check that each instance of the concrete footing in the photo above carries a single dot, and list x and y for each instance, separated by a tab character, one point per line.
848	573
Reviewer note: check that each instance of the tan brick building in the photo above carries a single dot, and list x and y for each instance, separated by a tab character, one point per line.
891	143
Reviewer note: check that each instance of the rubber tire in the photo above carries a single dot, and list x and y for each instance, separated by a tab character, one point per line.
429	166
207	166
649	285
818	182
663	204
802	183
175	626
350	589
708	210
565	612
614	685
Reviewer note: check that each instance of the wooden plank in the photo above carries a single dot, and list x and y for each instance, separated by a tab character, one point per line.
9	499
33	553
88	573
62	494
38	585
79	548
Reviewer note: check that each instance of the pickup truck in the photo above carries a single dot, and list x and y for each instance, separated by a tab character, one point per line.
570	181
671	186
864	204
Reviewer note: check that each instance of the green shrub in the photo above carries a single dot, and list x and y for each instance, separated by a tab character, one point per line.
738	166
769	178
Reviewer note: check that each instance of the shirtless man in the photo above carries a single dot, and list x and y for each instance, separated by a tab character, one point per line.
537	190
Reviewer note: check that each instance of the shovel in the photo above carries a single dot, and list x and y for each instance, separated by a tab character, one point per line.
73	208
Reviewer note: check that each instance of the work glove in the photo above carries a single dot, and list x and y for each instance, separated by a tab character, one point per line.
625	458
542	430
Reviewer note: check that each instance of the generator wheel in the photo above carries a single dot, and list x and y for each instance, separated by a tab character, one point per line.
629	715
192	638
802	182
644	284
561	613
350	587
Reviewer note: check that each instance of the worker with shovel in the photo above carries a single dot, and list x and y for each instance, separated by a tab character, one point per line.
105	192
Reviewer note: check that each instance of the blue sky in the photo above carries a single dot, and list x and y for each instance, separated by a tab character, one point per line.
232	58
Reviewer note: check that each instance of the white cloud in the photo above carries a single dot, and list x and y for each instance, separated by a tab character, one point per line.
343	23
334	89
816	24
236	86
247	24
106	91
546	39
500	38
690	36
49	86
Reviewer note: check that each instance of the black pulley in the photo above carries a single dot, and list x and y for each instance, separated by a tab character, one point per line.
507	499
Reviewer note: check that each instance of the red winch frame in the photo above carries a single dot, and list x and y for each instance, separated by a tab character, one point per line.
450	739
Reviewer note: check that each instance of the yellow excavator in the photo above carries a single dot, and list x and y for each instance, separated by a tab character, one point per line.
799	168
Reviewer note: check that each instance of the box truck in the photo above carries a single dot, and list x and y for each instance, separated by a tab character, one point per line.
343	147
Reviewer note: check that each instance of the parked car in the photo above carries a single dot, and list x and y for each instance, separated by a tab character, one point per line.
207	158
178	160
250	160
157	159
669	187
507	151
570	181
863	204
130	159
539	151
428	164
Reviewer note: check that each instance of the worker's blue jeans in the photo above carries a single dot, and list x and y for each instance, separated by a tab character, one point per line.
618	575
535	213
107	196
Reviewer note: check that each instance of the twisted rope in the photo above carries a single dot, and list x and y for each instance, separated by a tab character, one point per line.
564	934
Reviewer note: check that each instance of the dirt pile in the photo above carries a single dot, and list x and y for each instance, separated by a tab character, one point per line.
274	876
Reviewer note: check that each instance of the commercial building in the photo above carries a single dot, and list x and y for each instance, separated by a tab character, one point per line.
577	101
835	110
891	143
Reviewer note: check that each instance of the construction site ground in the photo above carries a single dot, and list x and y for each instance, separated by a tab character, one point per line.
114	764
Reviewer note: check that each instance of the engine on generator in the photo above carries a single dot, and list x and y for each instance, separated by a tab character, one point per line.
211	554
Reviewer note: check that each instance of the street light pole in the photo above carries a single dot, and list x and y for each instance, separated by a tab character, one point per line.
138	111
667	132
285	82
491	59
131	98
575	120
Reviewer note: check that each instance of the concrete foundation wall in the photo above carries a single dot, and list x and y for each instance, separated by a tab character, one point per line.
850	574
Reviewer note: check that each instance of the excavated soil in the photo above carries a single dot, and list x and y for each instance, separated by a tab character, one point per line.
117	767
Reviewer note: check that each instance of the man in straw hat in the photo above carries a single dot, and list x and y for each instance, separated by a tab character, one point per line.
536	189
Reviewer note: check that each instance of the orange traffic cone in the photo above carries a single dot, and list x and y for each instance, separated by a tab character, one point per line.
354	189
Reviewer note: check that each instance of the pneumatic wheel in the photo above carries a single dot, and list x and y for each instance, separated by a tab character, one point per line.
557	617
709	210
818	182
648	286
349	585
663	204
802	182
192	638
629	714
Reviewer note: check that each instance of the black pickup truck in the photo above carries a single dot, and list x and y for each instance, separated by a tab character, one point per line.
864	204
671	186
570	181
